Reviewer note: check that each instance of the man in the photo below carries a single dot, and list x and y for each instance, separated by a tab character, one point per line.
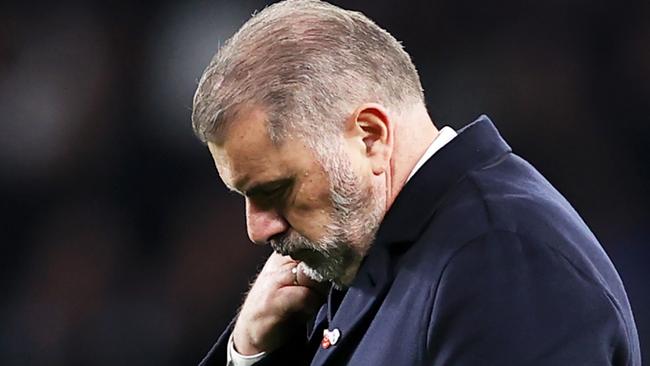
427	246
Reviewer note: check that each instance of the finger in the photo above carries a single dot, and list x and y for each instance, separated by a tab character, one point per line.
277	260
276	267
299	299
304	280
302	277
294	276
287	276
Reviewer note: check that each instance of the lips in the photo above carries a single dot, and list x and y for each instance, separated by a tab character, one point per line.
310	257
295	254
299	254
297	249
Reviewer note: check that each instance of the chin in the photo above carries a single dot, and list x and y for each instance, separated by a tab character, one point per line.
314	273
324	273
320	274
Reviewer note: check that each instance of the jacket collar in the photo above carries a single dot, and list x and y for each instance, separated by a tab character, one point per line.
476	145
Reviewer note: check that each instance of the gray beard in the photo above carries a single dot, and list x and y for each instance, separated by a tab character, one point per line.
357	213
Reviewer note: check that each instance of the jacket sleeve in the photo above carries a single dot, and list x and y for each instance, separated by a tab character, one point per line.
507	300
217	354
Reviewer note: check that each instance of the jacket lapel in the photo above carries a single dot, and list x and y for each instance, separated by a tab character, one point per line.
357	307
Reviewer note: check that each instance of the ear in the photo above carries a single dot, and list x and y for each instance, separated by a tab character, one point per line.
370	124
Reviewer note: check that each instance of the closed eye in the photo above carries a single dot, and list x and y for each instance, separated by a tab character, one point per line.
270	192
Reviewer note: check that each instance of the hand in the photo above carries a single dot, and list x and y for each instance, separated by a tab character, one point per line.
277	300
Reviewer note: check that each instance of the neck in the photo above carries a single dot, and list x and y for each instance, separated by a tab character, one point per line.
413	134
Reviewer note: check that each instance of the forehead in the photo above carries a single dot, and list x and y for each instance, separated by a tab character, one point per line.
247	156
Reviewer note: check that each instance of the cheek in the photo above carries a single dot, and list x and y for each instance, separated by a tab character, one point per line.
309	211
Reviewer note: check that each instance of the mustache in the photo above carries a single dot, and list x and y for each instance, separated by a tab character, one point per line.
289	243
278	247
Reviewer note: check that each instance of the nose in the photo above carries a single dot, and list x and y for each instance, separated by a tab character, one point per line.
263	224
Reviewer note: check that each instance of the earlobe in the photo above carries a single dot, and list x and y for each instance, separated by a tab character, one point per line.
376	130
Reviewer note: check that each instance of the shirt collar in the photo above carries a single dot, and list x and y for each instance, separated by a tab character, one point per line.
445	135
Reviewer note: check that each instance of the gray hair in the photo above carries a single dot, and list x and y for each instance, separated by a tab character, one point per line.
309	64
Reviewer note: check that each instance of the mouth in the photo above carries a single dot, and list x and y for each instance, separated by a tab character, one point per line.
305	255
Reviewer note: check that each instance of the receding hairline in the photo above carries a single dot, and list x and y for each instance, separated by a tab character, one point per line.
373	68
239	114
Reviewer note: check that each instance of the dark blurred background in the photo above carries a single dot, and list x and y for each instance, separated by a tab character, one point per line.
119	243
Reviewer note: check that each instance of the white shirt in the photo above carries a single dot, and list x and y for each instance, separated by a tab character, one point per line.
445	135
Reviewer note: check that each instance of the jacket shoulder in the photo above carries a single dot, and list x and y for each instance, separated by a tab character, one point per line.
511	300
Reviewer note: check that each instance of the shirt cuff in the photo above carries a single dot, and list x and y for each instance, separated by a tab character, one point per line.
235	359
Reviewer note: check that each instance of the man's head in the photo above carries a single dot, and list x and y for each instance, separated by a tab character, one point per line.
298	109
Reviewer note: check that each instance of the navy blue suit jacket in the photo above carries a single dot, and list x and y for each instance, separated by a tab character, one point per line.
479	261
